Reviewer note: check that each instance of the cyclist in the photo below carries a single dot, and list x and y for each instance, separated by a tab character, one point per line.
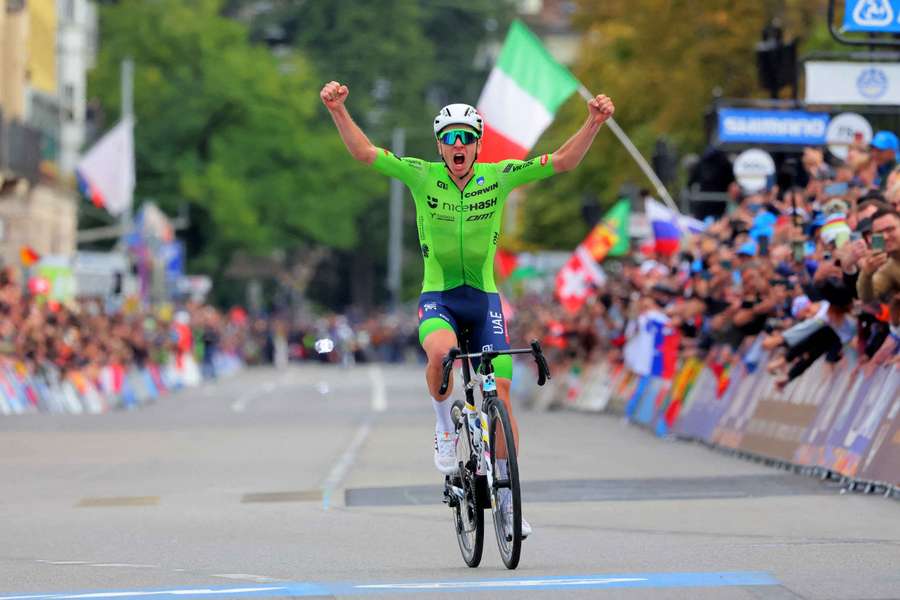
459	206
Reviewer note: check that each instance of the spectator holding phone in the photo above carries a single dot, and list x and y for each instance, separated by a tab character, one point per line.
879	277
880	268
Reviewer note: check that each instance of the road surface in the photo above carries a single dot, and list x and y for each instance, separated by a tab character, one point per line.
318	482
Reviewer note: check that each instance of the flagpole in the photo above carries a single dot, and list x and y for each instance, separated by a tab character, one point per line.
635	154
127	111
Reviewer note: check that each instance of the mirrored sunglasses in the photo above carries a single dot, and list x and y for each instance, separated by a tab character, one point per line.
465	136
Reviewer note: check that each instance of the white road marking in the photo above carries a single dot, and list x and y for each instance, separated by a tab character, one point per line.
124	565
64	562
437	585
379	391
340	468
247	577
180	592
240	405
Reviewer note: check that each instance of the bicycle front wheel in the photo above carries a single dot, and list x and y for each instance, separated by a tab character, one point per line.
468	516
507	512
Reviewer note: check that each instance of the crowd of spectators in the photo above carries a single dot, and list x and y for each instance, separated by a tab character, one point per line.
52	339
801	272
815	268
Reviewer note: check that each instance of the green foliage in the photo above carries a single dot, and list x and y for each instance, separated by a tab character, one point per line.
662	62
227	127
402	60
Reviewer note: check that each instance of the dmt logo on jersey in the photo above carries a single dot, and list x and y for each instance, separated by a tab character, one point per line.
480	217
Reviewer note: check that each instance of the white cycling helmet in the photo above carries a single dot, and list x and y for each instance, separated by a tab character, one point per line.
458	114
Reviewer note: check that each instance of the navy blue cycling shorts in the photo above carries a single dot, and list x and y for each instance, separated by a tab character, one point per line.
476	317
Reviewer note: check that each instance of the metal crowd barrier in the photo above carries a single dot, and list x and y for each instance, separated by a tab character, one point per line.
837	422
49	390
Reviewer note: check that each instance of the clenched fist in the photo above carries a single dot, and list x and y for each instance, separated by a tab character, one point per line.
601	108
333	94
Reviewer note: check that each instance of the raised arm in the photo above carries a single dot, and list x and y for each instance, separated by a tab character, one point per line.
333	95
570	154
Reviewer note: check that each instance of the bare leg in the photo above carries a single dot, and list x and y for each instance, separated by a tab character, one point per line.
436	346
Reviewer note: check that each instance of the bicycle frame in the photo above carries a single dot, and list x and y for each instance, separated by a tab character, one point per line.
476	420
474	488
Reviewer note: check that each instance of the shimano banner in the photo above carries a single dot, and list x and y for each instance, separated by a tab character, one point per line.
789	127
872	15
834	82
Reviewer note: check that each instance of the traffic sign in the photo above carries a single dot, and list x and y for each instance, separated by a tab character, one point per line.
879	16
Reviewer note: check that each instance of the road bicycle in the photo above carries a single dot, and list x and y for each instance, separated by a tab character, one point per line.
474	487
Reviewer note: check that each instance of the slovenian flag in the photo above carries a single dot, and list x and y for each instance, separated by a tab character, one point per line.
522	94
106	173
665	227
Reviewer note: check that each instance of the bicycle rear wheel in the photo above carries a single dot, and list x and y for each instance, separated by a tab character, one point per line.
509	530
468	516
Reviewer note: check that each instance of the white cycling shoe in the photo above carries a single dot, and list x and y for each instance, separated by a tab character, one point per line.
506	508
445	452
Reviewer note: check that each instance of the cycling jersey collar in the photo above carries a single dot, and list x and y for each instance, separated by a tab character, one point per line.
453	179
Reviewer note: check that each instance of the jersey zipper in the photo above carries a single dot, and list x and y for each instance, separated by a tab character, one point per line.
462	260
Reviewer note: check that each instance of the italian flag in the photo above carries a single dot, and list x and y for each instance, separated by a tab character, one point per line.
522	94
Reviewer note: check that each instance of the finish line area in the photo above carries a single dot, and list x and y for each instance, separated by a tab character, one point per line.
302	589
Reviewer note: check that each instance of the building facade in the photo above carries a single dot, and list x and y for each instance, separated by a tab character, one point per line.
46	49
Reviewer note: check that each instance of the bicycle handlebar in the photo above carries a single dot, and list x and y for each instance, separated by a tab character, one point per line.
455	353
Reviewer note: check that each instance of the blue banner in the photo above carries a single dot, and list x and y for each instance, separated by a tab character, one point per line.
785	127
872	15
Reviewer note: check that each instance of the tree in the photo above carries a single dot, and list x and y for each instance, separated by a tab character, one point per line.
662	62
232	130
402	62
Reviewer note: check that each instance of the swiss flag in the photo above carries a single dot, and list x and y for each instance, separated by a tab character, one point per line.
576	280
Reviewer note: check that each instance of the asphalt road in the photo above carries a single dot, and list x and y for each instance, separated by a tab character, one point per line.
318	482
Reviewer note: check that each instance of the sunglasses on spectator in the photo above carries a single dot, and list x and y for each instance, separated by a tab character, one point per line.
463	135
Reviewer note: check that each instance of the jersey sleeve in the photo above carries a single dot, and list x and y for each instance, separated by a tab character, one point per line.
513	173
411	171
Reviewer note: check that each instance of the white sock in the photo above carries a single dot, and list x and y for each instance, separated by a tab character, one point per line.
501	468
443	424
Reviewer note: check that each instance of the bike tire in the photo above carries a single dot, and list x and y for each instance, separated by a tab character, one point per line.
508	542
468	516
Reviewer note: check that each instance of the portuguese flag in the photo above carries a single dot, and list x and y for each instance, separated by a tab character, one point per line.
522	94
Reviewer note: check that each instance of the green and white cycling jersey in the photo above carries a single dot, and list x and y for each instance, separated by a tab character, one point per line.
459	229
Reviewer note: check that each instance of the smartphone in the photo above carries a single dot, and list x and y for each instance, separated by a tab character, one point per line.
855	235
836	189
799	249
763	242
877	241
